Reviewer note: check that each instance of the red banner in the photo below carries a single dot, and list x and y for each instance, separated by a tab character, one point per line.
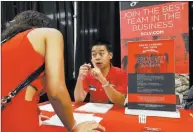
155	22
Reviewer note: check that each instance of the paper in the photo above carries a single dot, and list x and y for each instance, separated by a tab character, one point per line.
95	107
47	107
97	119
79	117
175	114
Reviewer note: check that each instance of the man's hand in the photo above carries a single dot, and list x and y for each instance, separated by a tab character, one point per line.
88	127
96	72
83	71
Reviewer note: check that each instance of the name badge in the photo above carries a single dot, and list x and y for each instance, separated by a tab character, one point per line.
92	88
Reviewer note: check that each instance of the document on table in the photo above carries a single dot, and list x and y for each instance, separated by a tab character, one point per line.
47	107
79	117
95	107
172	114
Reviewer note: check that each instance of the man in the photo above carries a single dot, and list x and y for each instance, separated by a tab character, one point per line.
104	82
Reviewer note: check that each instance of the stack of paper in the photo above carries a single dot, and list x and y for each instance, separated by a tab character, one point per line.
95	107
79	117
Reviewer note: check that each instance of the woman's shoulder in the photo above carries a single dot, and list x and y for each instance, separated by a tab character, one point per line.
42	34
39	37
45	31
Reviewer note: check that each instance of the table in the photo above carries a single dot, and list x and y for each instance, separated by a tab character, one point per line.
116	121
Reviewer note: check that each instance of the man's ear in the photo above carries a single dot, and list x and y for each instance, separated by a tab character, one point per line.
110	55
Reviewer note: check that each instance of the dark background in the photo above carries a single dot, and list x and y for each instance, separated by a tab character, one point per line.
95	20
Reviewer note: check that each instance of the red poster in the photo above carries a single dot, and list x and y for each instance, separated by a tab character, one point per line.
151	56
151	75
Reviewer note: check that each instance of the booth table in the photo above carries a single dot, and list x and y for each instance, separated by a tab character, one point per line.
116	121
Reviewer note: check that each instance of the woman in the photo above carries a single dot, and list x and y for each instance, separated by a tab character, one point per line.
31	42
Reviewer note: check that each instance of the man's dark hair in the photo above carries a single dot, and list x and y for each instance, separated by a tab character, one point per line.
103	43
24	21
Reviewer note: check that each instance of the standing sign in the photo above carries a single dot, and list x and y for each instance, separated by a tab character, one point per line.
152	21
151	75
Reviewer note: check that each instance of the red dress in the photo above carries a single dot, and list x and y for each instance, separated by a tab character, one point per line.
19	60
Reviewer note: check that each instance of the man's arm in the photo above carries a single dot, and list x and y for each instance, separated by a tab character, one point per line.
112	91
79	92
114	95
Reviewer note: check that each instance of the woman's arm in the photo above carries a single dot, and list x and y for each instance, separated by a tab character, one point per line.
55	79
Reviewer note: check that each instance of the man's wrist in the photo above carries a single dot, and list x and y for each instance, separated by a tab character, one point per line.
105	85
80	77
103	81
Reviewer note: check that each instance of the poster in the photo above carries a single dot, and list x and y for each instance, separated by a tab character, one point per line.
151	70
153	20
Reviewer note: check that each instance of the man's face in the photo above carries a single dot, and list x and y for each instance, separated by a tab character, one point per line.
100	56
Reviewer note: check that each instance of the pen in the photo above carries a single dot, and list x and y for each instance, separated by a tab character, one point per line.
191	115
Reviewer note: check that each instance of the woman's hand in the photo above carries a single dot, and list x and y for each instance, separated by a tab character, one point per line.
88	127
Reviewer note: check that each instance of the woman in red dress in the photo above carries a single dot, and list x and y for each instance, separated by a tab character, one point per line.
31	43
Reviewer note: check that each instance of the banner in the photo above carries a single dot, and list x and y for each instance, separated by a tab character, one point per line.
151	70
158	21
